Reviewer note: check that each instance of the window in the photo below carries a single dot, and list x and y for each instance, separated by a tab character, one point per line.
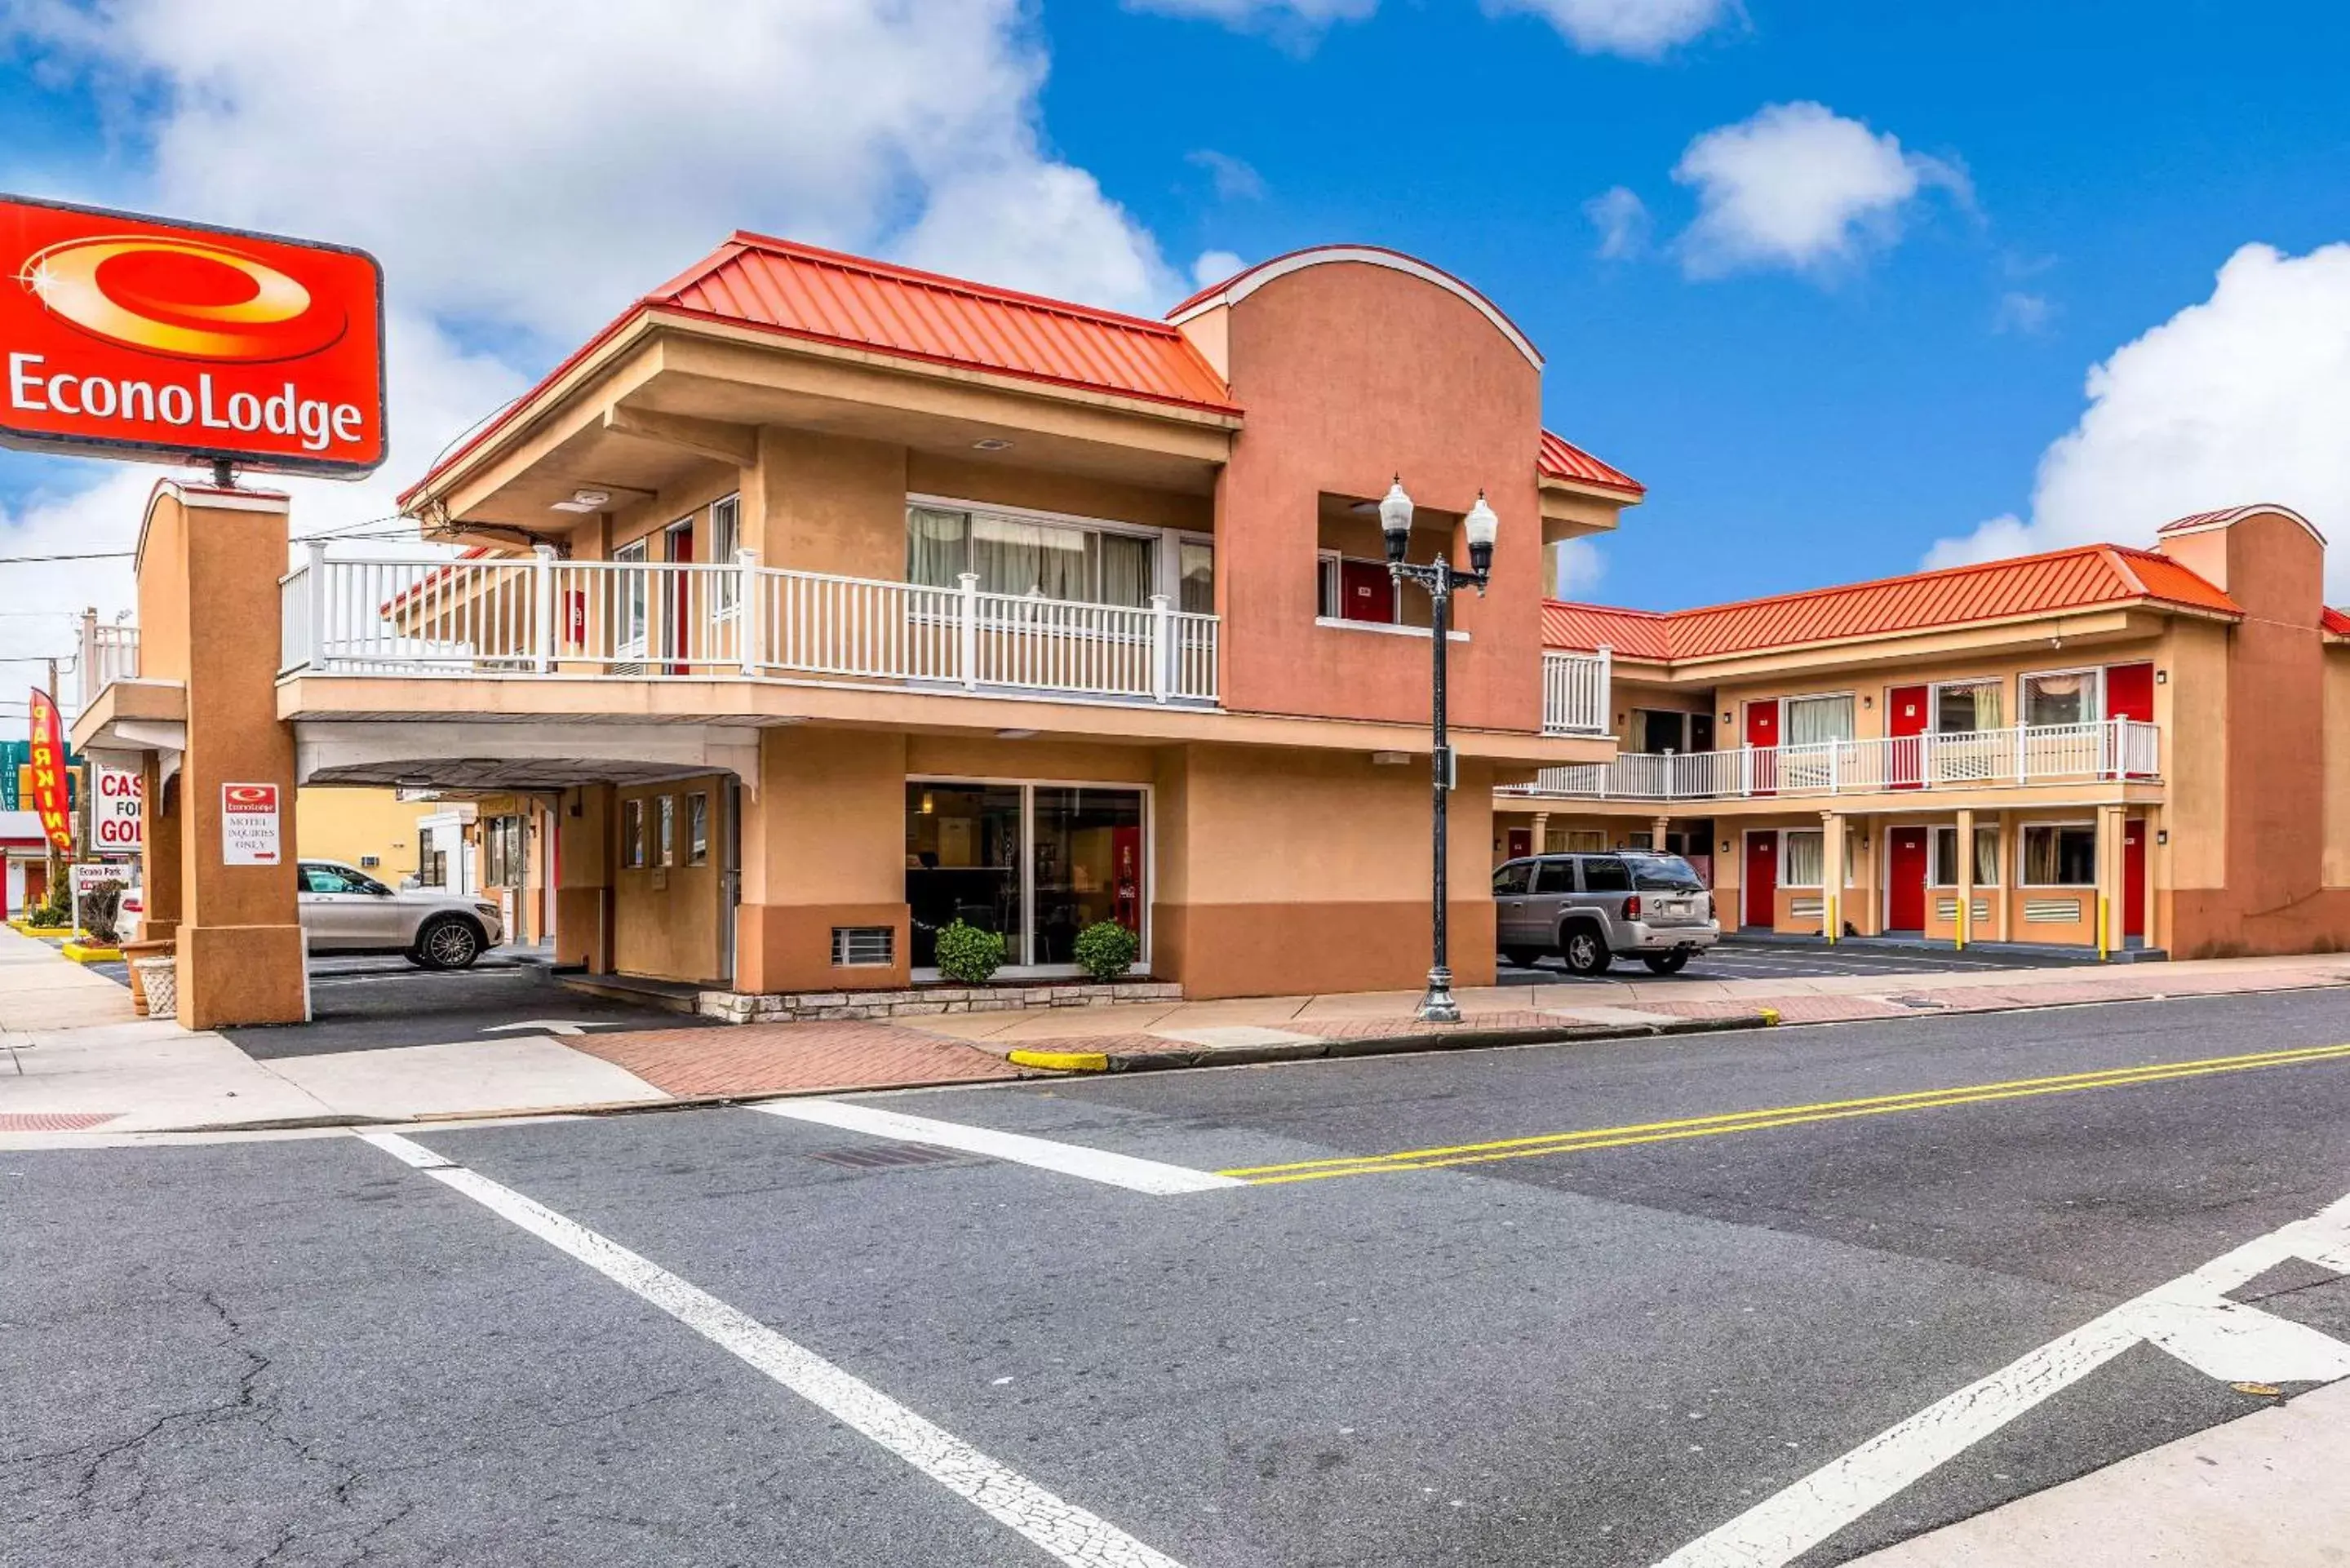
1965	708
665	830
1607	875
1659	730
1056	559
1347	588
1195	561
632	834
2060	854
501	851
1516	877
1574	841
1555	877
335	880
1801	859
2066	697
697	829
725	542
1944	870
1813	720
1036	863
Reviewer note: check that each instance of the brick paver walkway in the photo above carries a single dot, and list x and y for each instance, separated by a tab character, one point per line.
793	1058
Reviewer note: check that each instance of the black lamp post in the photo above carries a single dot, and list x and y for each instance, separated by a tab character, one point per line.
1439	577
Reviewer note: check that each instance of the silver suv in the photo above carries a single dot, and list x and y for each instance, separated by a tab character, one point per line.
1590	909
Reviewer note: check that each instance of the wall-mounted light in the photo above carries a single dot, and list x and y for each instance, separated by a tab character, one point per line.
1725	718
2162	835
1866	703
1725	846
929	804
2162	678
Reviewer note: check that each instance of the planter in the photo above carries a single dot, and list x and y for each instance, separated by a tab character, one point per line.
133	952
160	979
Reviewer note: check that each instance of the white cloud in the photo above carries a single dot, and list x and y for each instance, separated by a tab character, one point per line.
1577	567
2241	398
1236	178
1622	220
2020	312
1214	266
1800	186
1641	29
1296	20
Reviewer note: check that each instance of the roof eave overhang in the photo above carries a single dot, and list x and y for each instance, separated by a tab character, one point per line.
1597	492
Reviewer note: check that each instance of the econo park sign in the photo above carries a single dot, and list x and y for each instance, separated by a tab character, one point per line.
122	335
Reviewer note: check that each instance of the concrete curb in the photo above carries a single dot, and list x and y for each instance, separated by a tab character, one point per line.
1403	1043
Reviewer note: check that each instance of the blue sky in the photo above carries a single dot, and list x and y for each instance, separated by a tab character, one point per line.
1903	237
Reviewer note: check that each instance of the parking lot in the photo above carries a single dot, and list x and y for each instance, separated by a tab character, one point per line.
1736	960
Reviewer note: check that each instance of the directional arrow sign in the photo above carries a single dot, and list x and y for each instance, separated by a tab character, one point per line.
550	1026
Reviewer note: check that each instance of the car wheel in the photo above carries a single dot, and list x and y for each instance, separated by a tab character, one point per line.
448	943
1667	963
1524	958
1584	950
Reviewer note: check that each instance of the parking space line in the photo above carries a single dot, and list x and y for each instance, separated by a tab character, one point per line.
1125	1170
1069	1533
1438	1158
2185	1316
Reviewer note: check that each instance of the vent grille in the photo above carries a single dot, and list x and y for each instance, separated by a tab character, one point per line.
863	947
2052	911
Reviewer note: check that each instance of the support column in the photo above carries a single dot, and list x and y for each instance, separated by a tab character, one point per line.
1832	877
1656	831
2010	877
583	879
1542	833
2109	878
1966	877
161	814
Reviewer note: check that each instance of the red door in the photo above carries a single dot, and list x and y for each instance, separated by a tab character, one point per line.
680	539
1904	872
1522	843
2134	877
1906	709
1366	592
2129	694
1762	735
1763	880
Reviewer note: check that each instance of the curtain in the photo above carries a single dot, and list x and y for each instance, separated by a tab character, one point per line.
1986	857
1805	862
2060	698
936	547
1812	720
1965	710
1015	558
1126	569
1197	562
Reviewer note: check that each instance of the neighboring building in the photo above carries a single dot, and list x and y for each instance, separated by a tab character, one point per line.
1992	753
816	603
373	829
26	851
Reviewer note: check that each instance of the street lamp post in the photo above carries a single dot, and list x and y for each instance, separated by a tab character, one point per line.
1440	579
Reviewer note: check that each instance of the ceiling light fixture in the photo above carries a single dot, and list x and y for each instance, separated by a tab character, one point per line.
584	501
991	443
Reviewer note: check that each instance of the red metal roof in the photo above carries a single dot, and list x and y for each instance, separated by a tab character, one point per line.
2334	622
2081	579
1562	459
838	298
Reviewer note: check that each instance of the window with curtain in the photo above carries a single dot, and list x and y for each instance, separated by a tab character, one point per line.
1944	872
1803	860
1964	709
1814	720
1022	556
2060	854
1195	559
2066	697
725	540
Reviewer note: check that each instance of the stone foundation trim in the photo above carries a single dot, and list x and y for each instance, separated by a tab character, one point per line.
927	1002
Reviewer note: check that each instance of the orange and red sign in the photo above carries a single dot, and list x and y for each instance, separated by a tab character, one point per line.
123	335
44	771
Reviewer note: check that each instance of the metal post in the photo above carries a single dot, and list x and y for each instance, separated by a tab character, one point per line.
542	584
967	631
1438	1006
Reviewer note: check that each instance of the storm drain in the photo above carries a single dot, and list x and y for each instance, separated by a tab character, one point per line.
882	1156
1919	1004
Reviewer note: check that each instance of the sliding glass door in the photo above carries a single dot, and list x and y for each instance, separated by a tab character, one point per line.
1038	862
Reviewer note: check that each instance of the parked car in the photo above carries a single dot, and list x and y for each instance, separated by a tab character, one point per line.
345	910
1592	908
129	913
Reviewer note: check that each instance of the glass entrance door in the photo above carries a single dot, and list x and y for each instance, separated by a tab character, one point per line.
1087	852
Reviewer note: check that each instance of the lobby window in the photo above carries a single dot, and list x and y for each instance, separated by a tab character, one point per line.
2061	697
1801	860
632	834
1038	863
1944	871
2060	854
697	829
1054	559
1964	708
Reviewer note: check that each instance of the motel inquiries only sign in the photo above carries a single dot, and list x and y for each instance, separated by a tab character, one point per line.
129	337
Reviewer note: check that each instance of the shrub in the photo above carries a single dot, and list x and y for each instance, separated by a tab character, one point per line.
100	907
55	911
968	955
1106	949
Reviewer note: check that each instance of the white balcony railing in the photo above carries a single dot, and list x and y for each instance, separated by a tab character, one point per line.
538	616
109	652
2045	754
1575	692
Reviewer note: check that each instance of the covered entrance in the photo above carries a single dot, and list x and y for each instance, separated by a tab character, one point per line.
1036	863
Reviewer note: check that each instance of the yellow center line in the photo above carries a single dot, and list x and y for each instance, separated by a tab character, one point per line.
1785	1116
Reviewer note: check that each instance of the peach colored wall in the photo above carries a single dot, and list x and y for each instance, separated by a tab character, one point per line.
1350	373
583	899
823	845
1075	494
666	916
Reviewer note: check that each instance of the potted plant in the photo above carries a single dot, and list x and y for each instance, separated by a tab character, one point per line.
968	955
1106	949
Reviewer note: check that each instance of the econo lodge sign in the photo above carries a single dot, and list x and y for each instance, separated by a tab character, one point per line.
124	335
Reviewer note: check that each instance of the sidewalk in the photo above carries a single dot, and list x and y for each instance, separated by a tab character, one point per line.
2265	1491
75	1067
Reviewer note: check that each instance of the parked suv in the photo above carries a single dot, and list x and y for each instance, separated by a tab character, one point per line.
1591	909
345	910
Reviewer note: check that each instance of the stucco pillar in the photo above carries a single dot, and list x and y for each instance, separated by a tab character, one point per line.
1656	831
1542	833
582	871
824	844
2108	914
208	565
1832	877
1966	876
2010	877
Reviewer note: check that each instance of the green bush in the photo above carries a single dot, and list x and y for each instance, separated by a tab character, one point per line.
968	955
1106	949
55	911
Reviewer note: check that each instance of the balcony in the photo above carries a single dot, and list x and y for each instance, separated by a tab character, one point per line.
108	653
1574	693
540	618
2112	750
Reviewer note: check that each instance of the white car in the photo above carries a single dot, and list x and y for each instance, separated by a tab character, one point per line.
345	910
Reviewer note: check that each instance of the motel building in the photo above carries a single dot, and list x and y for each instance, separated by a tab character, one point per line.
816	604
2100	747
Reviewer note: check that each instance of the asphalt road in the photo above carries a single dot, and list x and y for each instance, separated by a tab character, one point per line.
1587	1352
1734	958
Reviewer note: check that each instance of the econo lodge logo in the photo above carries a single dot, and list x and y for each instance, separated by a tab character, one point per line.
135	336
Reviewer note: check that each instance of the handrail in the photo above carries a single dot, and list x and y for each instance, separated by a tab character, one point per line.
1575	692
109	652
